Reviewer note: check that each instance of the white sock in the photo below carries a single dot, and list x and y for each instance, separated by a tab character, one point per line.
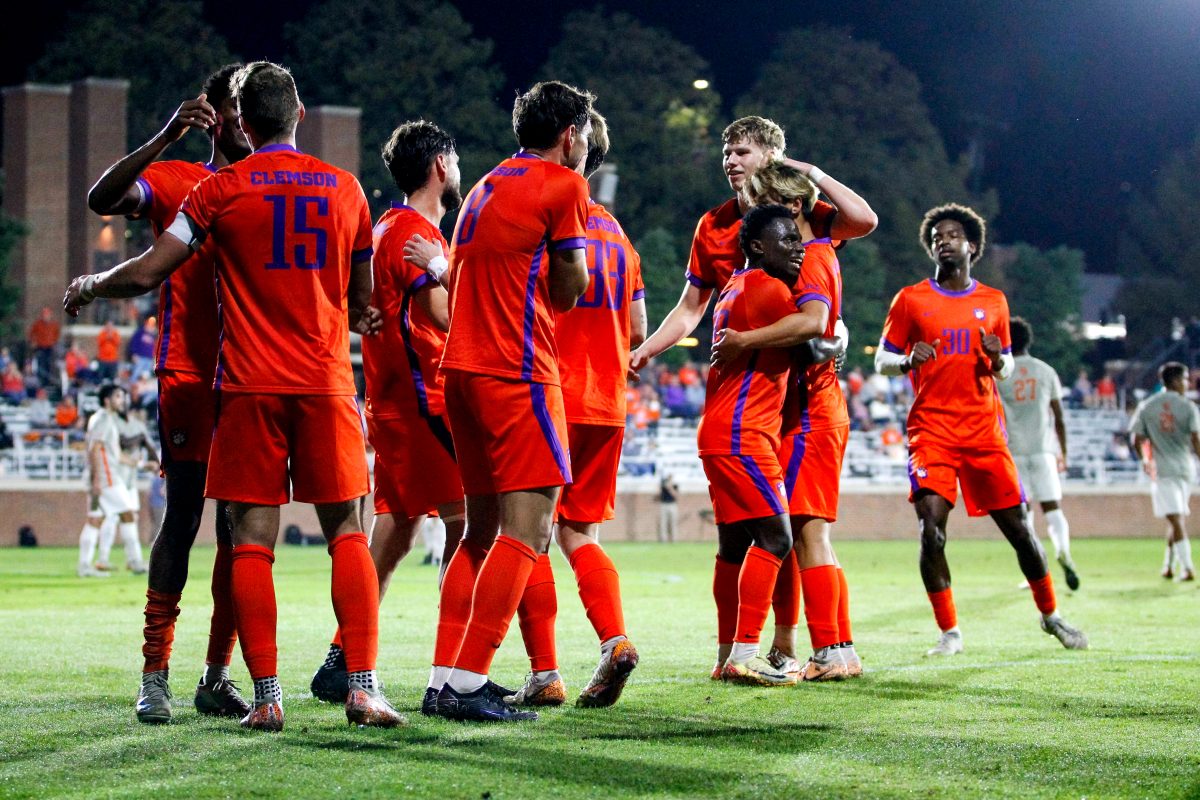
1183	548
743	652
1167	557
365	680
464	681
438	676
108	531
267	690
1060	533
87	544
131	543
1053	615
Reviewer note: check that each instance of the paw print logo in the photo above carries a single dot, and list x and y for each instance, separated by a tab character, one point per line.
979	313
922	472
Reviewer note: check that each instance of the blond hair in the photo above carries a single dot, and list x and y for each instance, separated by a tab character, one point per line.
759	130
776	182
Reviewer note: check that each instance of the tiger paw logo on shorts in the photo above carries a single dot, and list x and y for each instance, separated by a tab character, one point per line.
179	437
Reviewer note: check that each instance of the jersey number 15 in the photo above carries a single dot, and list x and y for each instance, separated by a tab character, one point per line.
295	221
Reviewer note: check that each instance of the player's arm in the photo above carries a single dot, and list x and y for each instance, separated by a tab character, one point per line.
794	329
117	192
678	323
1196	443
1060	424
1143	452
428	256
568	277
131	278
993	350
96	465
365	319
434	300
638	324
855	217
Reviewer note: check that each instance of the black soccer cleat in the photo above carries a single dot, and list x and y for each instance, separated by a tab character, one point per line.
485	704
1069	573
429	702
331	682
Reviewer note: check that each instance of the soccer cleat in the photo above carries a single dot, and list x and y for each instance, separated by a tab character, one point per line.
429	702
1069	572
1186	576
1167	573
757	671
154	698
608	680
485	704
103	566
549	691
88	571
784	663
949	643
265	717
716	671
220	699
137	567
850	660
372	709
823	665
1071	638
331	683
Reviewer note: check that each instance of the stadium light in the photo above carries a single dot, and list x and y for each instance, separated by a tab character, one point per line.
689	341
700	84
869	349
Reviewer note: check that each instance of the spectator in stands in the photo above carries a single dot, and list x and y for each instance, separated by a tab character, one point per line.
854	382
12	384
1106	392
668	508
688	374
1118	448
76	363
40	410
141	347
66	414
143	392
694	392
108	351
43	340
878	384
860	417
674	398
649	409
881	410
1081	392
5	359
892	441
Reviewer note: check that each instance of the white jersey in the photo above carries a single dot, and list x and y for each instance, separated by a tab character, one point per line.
1168	420
132	430
103	429
1026	395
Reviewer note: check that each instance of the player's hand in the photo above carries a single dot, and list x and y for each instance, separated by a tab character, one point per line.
727	346
991	346
195	113
923	352
75	298
638	360
803	166
1148	468
1060	462
367	322
420	251
839	362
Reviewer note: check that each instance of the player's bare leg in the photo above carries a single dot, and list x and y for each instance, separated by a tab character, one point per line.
785	606
821	588
733	541
1014	524
933	512
771	541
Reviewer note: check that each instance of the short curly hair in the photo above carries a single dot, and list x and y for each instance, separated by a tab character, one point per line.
1021	333
756	221
973	225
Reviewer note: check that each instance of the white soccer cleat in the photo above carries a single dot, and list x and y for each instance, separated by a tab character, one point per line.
88	571
949	643
784	663
1072	638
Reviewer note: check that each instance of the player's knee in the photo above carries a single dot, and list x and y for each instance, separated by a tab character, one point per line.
933	536
776	540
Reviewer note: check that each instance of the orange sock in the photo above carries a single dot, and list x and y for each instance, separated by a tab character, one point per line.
786	600
536	613
1043	594
725	592
943	608
355	592
820	586
253	590
498	590
336	641
162	609
756	584
222	630
600	590
454	609
843	610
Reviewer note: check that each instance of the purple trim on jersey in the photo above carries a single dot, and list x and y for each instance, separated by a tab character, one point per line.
210	166
165	337
1006	350
220	376
414	361
571	243
361	255
362	420
912	477
398	206
694	281
822	240
762	484
739	408
804	298
638	294
523	154
420	283
276	148
535	269
952	293
537	393
891	348
147	195
799	445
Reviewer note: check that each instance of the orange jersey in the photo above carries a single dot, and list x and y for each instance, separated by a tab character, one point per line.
717	254
287	226
593	338
515	217
400	363
814	400
743	399
955	397
187	301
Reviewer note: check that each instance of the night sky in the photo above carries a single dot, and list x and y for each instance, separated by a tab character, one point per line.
1075	104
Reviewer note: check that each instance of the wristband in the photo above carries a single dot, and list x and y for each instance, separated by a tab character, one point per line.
87	289
816	175
437	267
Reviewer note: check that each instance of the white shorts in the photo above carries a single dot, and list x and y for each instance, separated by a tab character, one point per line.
1170	496
134	497
1039	476
113	499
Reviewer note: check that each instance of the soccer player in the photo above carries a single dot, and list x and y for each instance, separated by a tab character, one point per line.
135	442
593	358
107	493
1031	396
143	188
415	468
950	335
739	433
294	237
517	261
1169	424
816	428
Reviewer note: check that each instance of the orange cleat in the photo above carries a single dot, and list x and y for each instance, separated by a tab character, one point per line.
757	671
266	717
608	680
535	692
366	709
824	665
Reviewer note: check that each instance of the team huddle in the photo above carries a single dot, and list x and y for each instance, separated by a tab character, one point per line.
495	366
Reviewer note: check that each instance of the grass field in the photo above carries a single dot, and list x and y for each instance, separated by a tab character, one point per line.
1014	716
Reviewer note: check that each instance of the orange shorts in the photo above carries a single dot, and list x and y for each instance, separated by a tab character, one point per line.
415	470
187	406
745	487
595	456
988	476
262	441
510	435
812	471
